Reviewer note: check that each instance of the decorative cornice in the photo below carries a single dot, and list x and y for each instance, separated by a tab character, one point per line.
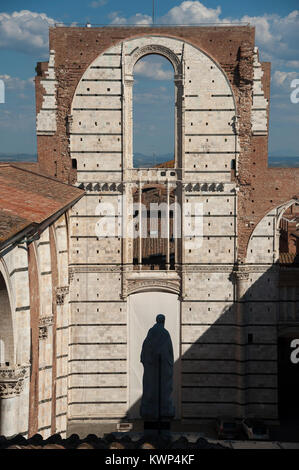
93	269
241	275
12	380
43	326
101	187
203	187
206	268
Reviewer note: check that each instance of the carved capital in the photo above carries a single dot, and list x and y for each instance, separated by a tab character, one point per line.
129	80
241	274
61	292
12	380
43	327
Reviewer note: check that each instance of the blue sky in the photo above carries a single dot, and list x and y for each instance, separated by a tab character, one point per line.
24	41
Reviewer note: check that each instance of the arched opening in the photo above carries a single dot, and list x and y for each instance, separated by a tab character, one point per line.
6	326
289	236
155	228
153	112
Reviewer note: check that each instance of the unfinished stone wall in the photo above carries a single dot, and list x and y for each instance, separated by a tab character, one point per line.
227	301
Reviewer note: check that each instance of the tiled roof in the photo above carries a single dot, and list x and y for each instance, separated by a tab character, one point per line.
28	197
169	164
286	258
110	441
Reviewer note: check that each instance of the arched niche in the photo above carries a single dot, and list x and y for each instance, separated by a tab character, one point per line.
7	346
143	307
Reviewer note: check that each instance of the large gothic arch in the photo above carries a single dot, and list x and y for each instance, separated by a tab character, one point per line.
268	227
122	58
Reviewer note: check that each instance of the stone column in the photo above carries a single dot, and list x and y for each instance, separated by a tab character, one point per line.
168	227
11	385
181	242
140	226
127	126
179	152
241	286
175	227
276	245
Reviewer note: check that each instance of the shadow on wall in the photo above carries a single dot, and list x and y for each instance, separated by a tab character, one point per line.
235	365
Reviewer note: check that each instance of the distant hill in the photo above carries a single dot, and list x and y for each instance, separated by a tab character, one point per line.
284	162
17	157
141	160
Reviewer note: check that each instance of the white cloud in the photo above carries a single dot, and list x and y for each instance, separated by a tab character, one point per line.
20	119
191	13
262	28
188	12
284	79
98	3
16	83
25	31
152	70
138	19
277	36
156	96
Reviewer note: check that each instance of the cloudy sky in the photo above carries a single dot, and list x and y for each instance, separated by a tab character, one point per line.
24	41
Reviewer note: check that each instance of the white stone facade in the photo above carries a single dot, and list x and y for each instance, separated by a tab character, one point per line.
213	376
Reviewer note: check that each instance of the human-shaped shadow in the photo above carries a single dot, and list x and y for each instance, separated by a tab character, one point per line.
157	360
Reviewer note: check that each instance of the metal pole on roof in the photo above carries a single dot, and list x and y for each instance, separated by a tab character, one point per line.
153	11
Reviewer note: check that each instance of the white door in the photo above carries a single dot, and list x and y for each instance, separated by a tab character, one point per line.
142	311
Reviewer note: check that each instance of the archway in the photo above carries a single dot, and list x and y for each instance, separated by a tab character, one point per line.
142	310
153	112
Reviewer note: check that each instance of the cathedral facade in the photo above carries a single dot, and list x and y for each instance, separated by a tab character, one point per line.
215	273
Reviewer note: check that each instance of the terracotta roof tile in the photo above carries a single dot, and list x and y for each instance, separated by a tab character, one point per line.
169	164
286	258
27	197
